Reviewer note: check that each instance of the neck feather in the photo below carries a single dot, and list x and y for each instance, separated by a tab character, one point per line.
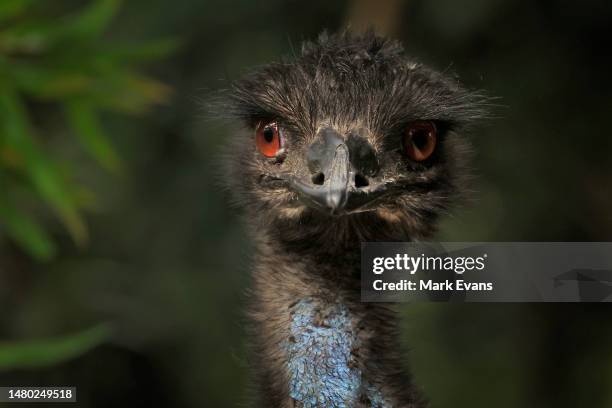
316	343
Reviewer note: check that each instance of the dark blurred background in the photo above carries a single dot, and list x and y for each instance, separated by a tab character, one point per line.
122	267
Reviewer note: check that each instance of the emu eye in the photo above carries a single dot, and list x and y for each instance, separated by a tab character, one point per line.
267	139
419	140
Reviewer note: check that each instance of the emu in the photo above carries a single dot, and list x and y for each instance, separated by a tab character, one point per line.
348	142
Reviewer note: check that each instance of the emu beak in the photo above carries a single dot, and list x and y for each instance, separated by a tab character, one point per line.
337	184
334	190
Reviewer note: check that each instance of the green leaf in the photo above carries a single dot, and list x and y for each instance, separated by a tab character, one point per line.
46	84
34	36
89	132
41	171
29	235
27	38
12	8
93	20
48	352
133	93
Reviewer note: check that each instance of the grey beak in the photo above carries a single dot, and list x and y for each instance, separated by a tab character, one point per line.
333	194
332	186
337	184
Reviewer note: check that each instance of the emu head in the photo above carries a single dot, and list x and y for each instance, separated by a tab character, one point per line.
349	139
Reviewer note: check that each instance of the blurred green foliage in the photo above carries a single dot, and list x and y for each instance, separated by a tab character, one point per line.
36	354
62	61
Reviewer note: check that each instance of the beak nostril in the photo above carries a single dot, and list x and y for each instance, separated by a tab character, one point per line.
361	181
318	179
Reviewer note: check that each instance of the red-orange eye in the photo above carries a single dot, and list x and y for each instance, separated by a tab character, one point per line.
267	139
419	140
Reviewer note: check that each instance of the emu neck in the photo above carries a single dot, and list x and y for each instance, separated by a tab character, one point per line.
317	343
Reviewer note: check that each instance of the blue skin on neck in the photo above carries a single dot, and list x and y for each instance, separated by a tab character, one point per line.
319	359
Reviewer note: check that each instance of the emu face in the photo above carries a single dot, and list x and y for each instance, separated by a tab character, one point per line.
350	133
